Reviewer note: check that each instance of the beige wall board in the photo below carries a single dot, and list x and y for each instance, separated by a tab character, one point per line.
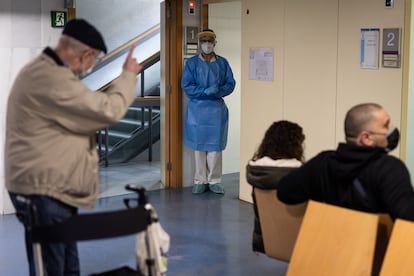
261	101
356	85
317	73
310	70
225	20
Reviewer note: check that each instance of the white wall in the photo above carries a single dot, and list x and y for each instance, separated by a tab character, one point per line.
25	29
317	73
225	20
137	17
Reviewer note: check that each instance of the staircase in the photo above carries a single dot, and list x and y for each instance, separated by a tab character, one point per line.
134	134
140	127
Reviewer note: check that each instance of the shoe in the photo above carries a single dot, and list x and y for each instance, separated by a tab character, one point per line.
199	188
216	188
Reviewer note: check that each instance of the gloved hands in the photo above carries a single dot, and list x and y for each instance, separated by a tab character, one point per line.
211	90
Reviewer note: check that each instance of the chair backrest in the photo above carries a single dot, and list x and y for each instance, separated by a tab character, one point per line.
334	241
280	224
400	252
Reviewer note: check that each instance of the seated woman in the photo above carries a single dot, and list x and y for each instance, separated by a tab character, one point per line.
280	152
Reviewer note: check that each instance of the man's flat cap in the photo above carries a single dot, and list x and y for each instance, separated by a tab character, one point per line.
81	30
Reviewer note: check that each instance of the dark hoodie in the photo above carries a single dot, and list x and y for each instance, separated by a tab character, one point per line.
361	178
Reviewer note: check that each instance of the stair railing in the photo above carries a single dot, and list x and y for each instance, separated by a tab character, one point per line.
148	102
124	48
142	101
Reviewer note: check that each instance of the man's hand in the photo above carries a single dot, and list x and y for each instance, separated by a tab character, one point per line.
131	63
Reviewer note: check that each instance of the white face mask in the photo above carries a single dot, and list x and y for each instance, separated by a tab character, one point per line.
89	70
207	47
86	72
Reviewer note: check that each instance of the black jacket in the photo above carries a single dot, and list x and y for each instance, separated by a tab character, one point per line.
360	178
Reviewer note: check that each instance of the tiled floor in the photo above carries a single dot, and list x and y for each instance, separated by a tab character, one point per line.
138	171
114	177
210	234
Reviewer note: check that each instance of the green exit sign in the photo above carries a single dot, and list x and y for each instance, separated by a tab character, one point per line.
58	18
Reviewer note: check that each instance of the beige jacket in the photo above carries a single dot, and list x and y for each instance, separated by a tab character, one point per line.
51	122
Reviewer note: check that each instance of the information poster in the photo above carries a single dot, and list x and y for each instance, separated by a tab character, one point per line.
261	64
369	48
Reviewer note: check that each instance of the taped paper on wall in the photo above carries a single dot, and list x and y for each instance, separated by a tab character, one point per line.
369	48
261	64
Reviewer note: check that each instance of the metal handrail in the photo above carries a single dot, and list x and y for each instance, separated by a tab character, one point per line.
145	64
148	102
133	41
144	102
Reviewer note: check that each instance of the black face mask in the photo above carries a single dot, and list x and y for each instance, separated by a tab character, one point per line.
393	136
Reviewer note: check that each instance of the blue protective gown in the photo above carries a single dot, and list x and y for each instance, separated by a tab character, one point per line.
206	118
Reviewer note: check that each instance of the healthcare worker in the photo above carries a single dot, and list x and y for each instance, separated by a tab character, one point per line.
207	78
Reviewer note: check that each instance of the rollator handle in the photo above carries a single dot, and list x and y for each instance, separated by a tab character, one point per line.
142	195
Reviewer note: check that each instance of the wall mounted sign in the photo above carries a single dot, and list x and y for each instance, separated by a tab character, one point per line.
391	48
191	40
369	48
58	19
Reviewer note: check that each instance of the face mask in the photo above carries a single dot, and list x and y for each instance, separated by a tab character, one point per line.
207	47
393	136
86	72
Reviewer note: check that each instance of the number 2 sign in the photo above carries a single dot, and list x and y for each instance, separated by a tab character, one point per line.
391	47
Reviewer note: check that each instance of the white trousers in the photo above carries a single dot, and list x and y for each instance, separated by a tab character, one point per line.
208	167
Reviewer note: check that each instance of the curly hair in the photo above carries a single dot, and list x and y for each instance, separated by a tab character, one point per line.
282	140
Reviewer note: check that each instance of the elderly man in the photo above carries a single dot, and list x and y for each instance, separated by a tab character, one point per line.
51	158
207	78
360	174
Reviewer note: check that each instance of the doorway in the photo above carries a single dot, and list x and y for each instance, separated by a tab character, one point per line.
225	19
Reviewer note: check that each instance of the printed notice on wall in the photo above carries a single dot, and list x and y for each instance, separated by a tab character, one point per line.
261	64
369	48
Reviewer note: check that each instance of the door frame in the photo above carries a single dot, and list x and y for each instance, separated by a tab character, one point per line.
171	97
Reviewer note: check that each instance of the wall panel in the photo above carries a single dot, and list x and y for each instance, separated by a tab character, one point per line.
261	101
317	73
310	70
356	85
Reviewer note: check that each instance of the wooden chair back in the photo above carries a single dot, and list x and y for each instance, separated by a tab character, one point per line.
280	224
334	241
400	252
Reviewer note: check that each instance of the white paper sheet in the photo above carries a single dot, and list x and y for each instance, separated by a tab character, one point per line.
369	48
261	64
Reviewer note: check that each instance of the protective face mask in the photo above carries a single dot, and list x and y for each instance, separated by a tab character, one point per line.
86	72
393	136
207	47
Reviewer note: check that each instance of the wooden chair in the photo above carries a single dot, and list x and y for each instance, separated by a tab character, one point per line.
400	252
334	241
280	224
